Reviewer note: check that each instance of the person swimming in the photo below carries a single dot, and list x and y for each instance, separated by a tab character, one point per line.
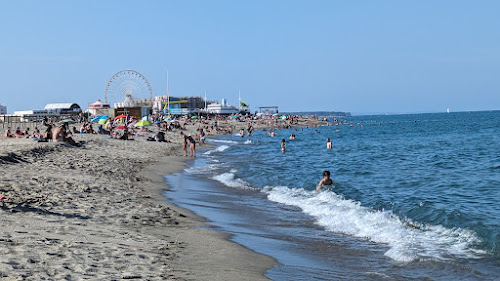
283	145
325	181
329	144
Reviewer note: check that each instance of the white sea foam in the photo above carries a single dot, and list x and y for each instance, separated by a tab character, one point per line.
224	141
217	149
407	241
248	142
229	179
204	169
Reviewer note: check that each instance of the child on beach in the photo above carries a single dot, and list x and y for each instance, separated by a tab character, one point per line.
283	145
325	181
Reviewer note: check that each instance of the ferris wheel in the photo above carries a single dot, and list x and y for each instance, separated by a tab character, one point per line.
127	86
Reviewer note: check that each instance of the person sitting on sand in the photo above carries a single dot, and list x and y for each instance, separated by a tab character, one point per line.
60	135
125	135
160	137
47	135
329	144
18	133
26	133
7	133
36	134
325	181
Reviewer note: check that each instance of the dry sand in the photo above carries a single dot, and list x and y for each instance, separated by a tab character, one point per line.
97	212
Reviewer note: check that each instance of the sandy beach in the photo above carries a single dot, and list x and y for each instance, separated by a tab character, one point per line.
97	212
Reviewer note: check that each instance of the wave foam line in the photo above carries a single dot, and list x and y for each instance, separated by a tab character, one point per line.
218	149
229	179
407	241
204	169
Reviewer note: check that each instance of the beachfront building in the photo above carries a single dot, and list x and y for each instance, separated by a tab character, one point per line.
63	108
136	107
3	109
32	115
98	108
179	105
129	101
221	108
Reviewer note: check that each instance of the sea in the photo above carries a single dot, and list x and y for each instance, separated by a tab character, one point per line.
415	197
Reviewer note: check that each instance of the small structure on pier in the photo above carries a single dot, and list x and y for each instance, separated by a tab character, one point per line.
268	110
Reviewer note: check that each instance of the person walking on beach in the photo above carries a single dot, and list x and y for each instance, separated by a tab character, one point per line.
329	144
283	145
192	146
184	144
325	181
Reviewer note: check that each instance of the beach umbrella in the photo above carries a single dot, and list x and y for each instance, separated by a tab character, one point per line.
143	123
121	116
103	121
95	119
122	128
104	117
69	121
194	117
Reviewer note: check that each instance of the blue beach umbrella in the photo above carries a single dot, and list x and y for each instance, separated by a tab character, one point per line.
95	119
104	117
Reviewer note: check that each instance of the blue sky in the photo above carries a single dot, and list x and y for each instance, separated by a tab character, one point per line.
358	56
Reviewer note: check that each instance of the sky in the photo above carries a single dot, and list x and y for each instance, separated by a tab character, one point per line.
357	56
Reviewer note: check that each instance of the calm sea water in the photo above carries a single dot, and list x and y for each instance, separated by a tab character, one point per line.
415	196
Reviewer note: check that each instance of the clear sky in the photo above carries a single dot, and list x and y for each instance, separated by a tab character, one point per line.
358	56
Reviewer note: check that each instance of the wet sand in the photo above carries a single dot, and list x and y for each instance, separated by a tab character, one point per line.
97	212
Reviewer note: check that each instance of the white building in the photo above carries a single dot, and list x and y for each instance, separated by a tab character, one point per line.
98	108
3	109
222	108
63	108
27	115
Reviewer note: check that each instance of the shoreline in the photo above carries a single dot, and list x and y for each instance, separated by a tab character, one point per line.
216	257
100	212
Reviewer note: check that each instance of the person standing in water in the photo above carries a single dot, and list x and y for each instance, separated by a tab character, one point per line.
329	144
283	145
325	181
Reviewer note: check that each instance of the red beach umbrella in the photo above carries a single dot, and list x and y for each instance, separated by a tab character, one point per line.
120	116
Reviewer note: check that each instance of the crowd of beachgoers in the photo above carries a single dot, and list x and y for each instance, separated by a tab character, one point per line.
155	127
78	200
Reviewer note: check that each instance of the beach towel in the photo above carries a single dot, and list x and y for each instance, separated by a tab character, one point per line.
3	198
